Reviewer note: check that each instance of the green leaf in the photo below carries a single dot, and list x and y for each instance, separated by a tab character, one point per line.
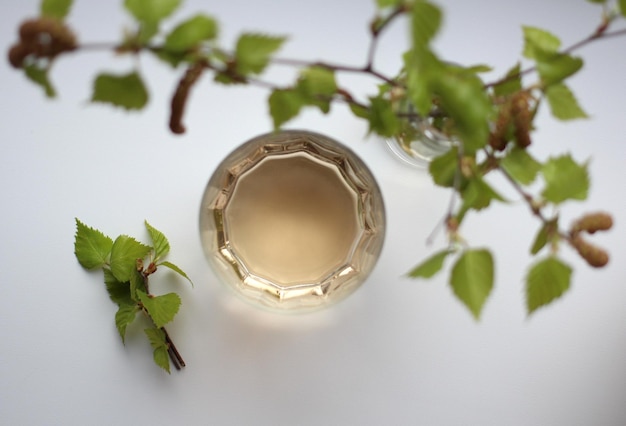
151	10
546	281
565	180
146	31
478	195
425	23
418	86
430	266
39	76
472	279
58	9
124	316
162	309
521	166
119	292
156	337
191	33
158	343
360	111
124	254
253	52
161	358
539	43
92	247
127	91
443	169
176	269
511	83
382	118
622	7
317	81
285	104
317	85
557	68
136	283
540	241
159	242
563	104
387	3
463	97
546	232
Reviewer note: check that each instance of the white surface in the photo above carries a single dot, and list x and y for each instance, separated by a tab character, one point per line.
396	352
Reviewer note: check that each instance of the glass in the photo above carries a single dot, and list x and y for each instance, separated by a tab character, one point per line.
420	142
292	221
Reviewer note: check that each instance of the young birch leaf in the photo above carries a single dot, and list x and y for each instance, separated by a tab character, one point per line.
58	9
478	194
387	3
159	242
316	85
119	292
126	91
360	111
511	83
430	266
521	166
176	269
39	76
557	68
539	43
124	316
191	32
124	254
158	343
425	23
472	279
382	119
546	281
136	283
563	103
418	87
285	104
253	52
565	180
91	247
463	97
541	239
444	168
151	10
162	309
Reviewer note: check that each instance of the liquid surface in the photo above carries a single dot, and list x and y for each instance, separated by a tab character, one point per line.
292	220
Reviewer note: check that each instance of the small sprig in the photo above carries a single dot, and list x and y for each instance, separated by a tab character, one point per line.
127	264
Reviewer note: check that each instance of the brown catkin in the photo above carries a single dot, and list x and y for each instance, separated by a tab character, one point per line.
522	118
595	256
42	38
497	138
179	100
17	55
593	222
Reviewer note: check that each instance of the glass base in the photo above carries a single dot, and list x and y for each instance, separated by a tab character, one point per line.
425	144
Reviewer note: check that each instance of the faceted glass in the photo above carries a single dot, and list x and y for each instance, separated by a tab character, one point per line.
292	221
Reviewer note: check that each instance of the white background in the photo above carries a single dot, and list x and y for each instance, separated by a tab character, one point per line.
396	352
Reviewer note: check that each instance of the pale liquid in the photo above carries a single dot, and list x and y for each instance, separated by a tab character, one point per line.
292	220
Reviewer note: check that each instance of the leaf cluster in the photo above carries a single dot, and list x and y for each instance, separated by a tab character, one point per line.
126	264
